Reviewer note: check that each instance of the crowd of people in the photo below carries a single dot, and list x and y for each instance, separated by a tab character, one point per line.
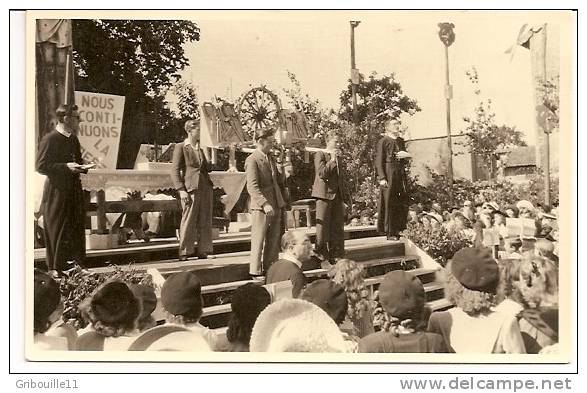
500	306
504	288
485	224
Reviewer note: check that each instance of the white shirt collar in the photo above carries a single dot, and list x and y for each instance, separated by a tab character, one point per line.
61	129
187	142
291	258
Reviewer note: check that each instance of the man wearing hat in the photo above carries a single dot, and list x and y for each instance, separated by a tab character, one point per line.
190	174
59	158
391	173
266	188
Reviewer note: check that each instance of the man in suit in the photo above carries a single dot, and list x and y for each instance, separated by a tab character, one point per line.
266	188
391	173
296	248
328	191
190	174
59	158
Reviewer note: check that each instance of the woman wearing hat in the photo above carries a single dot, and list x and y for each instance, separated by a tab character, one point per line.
113	313
473	326
296	325
404	315
181	297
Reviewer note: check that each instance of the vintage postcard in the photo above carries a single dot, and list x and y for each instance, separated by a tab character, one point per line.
300	186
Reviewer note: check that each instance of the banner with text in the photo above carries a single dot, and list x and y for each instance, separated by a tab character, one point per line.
100	127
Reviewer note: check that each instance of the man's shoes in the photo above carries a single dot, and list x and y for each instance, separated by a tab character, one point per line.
182	258
391	237
54	274
258	278
205	256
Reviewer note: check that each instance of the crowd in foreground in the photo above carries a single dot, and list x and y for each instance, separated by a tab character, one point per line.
500	306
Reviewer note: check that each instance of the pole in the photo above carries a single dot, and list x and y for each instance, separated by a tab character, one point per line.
546	134
448	130
67	76
353	67
447	37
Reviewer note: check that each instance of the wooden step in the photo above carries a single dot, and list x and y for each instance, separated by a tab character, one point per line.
225	286
440	304
430	287
435	305
166	248
234	266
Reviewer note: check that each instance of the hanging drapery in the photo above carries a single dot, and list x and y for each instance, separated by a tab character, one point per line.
53	63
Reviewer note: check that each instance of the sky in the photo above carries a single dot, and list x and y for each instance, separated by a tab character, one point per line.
239	50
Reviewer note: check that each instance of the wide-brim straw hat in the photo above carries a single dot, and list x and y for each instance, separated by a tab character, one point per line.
295	325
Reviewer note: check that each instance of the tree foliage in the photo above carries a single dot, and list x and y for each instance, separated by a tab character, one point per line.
549	97
378	99
184	103
139	59
381	98
486	138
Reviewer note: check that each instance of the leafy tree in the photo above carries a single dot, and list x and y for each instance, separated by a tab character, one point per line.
379	99
486	138
184	102
139	59
549	97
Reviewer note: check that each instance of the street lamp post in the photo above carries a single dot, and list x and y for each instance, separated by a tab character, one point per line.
354	71
447	37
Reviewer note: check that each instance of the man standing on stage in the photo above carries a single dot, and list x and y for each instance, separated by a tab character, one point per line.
63	206
391	173
266	188
190	173
328	191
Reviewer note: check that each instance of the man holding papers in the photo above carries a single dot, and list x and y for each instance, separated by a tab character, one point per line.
390	164
63	207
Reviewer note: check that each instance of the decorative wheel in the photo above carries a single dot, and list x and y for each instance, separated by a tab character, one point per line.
258	108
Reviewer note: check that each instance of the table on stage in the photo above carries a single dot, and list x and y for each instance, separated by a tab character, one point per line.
97	181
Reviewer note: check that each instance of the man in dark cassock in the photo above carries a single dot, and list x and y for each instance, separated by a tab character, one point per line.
59	158
390	163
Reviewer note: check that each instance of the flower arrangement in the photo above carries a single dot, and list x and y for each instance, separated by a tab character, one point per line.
440	243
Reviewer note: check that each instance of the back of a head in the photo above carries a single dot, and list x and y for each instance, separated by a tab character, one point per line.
181	295
47	297
544	246
114	309
247	302
538	281
329	296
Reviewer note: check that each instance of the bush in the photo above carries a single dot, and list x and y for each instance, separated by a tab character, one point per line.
503	192
439	243
81	285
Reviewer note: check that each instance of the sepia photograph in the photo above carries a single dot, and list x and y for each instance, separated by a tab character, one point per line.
309	186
